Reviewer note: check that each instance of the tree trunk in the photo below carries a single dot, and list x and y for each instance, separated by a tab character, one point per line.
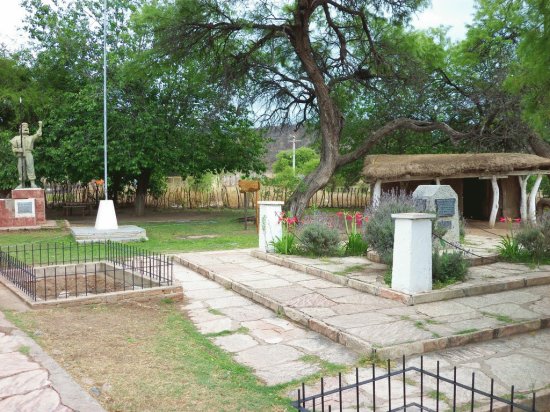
141	192
539	146
313	182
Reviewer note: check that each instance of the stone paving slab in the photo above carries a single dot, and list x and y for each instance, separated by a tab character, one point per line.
31	381
366	322
279	351
275	349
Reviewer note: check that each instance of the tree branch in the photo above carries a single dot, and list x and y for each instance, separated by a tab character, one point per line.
393	126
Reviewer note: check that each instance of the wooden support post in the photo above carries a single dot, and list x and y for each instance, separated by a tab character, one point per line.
533	200
494	208
376	193
523	200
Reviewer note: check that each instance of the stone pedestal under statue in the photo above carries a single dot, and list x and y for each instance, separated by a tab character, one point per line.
26	208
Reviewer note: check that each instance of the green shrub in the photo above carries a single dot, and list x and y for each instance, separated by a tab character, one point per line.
320	240
379	229
356	245
286	244
509	248
448	267
533	241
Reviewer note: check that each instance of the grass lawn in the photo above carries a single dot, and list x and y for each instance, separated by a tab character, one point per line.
199	231
205	231
147	357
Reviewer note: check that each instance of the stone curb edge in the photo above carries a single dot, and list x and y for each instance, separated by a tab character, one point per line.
174	292
410	300
358	344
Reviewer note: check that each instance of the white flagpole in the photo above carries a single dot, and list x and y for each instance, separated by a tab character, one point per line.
105	96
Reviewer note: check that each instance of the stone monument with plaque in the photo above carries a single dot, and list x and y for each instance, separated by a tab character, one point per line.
443	201
27	206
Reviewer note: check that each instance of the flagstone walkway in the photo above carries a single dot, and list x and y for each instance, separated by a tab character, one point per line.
365	322
31	381
280	351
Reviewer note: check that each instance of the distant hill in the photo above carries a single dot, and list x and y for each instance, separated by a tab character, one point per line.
281	139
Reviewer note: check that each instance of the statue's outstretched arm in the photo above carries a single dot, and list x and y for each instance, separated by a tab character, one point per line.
38	134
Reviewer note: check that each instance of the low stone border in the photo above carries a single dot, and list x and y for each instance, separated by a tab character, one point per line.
49	224
174	292
356	343
410	300
472	261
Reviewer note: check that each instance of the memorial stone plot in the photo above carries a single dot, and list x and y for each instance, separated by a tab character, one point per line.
443	201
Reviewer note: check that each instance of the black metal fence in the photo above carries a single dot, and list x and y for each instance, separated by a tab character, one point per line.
366	395
46	271
18	273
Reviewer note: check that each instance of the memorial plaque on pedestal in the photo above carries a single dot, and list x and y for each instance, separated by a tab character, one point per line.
24	208
445	207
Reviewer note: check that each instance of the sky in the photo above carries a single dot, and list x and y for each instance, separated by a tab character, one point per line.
453	13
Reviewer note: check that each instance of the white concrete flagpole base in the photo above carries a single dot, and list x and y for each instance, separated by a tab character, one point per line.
106	216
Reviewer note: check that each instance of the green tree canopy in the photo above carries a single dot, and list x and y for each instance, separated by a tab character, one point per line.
163	117
320	61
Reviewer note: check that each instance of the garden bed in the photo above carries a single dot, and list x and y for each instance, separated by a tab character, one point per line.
367	276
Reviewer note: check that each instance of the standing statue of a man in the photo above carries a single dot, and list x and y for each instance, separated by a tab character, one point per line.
22	146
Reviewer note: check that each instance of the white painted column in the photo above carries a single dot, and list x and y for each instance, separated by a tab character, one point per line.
494	208
412	252
533	200
523	200
376	193
106	216
438	181
269	226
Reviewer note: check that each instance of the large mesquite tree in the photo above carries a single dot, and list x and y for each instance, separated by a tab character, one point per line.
308	60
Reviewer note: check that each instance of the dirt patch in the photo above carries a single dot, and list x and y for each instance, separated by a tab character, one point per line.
146	357
61	287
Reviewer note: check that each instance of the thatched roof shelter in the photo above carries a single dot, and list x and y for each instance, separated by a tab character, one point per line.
433	166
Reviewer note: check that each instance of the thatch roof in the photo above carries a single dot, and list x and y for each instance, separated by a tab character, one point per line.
431	166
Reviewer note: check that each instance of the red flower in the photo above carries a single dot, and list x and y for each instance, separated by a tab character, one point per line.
339	214
517	220
292	220
502	219
349	217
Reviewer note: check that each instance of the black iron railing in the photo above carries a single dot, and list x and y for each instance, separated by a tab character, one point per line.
362	395
18	273
60	270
